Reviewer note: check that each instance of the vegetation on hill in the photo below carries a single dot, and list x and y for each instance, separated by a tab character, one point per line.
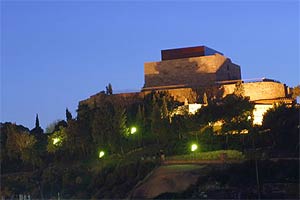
67	159
211	155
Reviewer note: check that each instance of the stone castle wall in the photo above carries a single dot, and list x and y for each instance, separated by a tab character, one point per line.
196	71
260	90
124	99
180	94
255	90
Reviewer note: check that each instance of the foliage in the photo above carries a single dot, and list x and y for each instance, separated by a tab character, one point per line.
37	131
239	89
212	155
296	92
68	115
19	144
51	127
56	140
37	121
283	121
116	181
234	111
68	153
121	131
109	90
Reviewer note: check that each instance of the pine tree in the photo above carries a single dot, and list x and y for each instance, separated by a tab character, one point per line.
120	128
155	121
140	121
68	115
109	90
164	108
37	121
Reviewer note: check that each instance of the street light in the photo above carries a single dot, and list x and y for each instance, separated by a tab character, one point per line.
194	147
101	154
55	141
133	130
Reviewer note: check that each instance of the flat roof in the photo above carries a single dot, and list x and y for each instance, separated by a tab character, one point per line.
187	52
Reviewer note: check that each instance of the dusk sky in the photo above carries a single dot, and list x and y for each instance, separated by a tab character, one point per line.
56	53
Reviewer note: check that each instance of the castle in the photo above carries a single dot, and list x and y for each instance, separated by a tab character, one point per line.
188	73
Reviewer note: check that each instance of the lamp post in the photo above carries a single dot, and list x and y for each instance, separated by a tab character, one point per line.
101	154
194	147
133	130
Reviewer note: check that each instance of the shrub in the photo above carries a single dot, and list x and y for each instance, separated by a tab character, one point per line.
212	155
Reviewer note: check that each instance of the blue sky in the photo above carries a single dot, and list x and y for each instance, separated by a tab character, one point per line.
56	53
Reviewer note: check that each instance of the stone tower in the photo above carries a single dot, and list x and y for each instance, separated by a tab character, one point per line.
189	67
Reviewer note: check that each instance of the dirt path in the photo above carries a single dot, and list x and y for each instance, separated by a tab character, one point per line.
168	178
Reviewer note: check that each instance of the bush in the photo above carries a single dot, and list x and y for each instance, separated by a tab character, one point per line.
117	181
212	155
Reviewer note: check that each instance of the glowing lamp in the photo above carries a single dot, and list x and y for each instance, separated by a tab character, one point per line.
56	141
133	130
194	147
101	154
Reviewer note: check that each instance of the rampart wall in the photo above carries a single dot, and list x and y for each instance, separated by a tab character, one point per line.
260	90
124	99
255	90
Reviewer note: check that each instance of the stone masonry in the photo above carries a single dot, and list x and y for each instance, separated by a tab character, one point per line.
190	72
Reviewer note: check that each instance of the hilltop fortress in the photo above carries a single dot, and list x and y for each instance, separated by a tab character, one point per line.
188	73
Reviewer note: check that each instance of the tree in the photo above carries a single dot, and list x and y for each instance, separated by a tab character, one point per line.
83	133
296	92
102	125
283	121
178	125
20	144
237	112
54	126
72	135
234	112
109	90
56	140
38	133
159	125
120	129
37	121
155	121
68	115
164	108
37	130
239	89
207	114
140	122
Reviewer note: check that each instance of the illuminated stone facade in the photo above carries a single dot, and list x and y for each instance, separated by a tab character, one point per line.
200	70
